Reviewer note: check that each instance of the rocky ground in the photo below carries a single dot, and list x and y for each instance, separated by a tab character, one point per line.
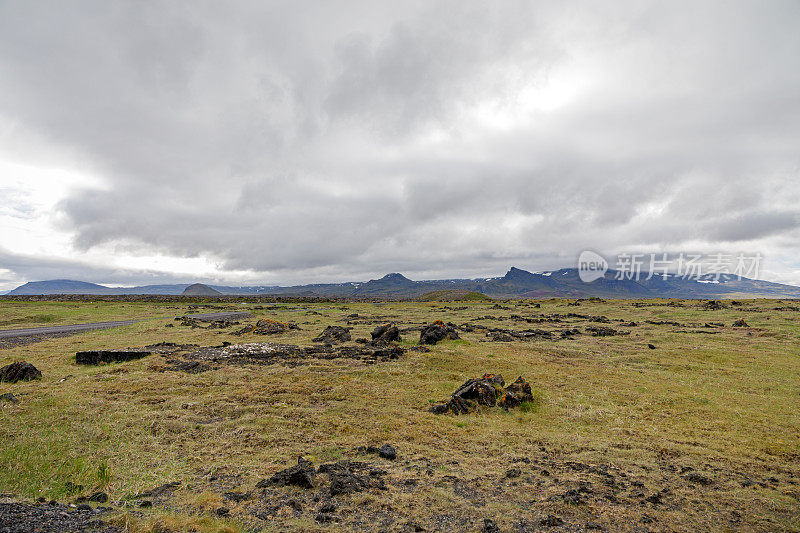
627	416
51	517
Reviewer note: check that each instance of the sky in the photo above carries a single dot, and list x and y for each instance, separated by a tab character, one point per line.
258	142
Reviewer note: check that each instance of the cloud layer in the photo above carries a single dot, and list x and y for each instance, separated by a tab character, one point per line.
302	142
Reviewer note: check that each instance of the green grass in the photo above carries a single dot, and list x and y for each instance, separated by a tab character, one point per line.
729	400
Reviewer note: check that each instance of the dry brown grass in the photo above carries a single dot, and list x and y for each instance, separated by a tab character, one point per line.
725	403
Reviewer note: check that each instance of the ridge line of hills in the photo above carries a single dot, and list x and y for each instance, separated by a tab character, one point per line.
516	283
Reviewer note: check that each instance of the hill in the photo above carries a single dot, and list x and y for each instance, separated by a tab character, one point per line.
198	289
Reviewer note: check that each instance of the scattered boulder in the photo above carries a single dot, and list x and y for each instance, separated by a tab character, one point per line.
98	497
489	526
551	521
267	326
437	331
387	451
698	478
95	357
222	323
302	475
352	476
601	331
19	371
8	397
385	333
333	334
158	492
741	324
488	390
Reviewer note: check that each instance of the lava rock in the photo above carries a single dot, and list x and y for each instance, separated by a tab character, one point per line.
352	476
99	497
385	333
95	357
741	324
551	521
19	371
698	478
489	526
437	331
488	390
387	451
302	475
333	334
9	397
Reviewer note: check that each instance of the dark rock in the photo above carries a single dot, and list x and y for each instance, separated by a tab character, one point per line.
573	496
655	498
16	517
328	507
488	391
19	371
651	346
302	475
489	526
513	472
223	511
516	393
333	334
385	333
267	326
8	397
352	476
324	518
740	324
145	504
84	507
72	488
698	478
99	497
237	496
161	490
296	505
95	357
387	451
551	521
602	331
437	331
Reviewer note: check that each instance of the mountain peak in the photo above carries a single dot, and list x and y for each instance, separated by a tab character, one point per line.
516	273
394	276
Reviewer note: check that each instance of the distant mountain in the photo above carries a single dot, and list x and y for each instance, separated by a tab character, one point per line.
60	286
198	289
516	283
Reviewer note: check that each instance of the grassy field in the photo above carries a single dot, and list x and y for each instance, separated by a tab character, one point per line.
701	433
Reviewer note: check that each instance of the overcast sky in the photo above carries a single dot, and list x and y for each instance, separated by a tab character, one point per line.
293	142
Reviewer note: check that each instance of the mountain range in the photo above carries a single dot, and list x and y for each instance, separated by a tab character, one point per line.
516	283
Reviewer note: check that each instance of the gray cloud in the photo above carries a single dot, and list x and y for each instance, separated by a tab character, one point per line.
351	139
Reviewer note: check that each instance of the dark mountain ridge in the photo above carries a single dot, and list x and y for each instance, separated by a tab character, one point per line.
516	283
